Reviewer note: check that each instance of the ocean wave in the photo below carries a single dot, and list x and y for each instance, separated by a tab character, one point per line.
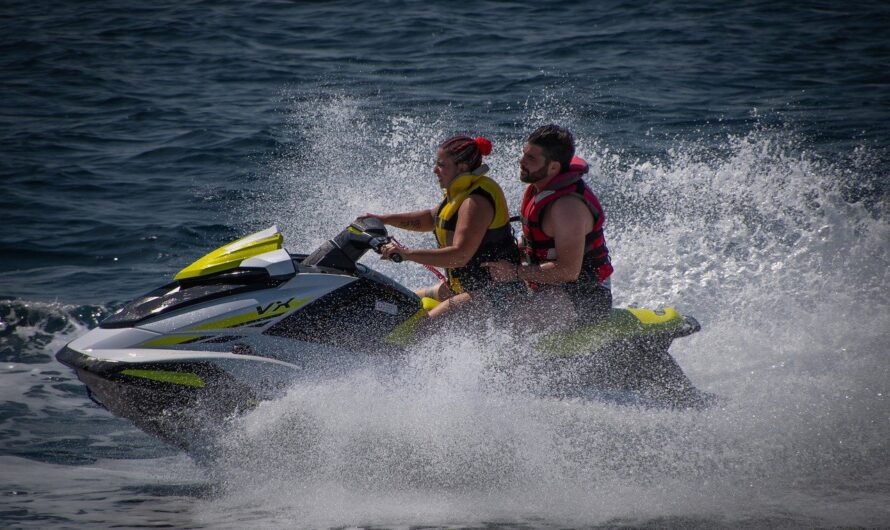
28	328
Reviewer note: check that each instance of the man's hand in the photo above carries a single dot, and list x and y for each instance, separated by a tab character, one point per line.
502	271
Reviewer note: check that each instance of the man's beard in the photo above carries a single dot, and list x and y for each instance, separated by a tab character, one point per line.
531	177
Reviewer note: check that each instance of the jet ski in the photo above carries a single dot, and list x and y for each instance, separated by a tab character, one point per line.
250	319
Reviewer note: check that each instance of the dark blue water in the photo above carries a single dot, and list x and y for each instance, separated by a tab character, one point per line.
740	150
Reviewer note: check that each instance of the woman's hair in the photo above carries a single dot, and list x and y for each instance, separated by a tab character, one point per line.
557	143
467	150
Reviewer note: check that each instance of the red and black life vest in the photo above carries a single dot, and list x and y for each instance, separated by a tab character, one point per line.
539	247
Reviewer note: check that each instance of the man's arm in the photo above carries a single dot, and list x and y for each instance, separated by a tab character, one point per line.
568	221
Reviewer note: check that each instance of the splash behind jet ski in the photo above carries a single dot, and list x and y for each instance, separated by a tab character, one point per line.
250	319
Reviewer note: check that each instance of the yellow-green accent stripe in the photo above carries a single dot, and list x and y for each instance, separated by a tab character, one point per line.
648	316
620	323
230	256
404	334
176	378
247	318
171	340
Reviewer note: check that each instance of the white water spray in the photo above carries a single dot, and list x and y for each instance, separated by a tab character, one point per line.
788	278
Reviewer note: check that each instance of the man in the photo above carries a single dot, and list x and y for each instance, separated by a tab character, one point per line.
562	227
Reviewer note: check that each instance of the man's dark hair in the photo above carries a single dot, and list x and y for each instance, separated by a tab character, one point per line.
557	143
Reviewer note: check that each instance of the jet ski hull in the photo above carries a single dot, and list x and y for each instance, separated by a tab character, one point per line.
183	403
621	358
634	370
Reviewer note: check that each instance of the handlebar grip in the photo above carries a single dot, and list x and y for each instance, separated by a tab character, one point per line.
395	257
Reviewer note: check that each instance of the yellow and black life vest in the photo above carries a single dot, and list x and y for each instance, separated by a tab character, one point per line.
498	242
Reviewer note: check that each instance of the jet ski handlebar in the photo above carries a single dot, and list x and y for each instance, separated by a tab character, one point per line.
377	236
343	251
377	243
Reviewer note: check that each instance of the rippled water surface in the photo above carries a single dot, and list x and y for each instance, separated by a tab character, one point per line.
740	152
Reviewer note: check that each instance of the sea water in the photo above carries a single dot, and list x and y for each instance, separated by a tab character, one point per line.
740	152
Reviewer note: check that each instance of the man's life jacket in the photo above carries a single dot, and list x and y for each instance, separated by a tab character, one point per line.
497	243
538	247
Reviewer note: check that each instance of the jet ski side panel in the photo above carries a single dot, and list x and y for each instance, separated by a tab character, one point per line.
247	310
621	324
358	316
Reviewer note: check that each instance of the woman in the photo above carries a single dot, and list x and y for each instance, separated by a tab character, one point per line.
471	224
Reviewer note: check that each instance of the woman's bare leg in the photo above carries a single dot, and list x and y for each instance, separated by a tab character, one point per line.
439	291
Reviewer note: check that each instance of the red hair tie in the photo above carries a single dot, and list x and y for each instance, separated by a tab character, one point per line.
484	145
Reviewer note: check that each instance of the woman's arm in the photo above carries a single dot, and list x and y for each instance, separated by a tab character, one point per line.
474	217
419	221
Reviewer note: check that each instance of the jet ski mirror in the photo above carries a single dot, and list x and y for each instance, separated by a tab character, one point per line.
343	251
370	225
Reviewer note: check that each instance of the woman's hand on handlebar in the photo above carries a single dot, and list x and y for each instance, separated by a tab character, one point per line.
393	252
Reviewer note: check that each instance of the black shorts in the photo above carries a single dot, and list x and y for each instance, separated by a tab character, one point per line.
503	295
